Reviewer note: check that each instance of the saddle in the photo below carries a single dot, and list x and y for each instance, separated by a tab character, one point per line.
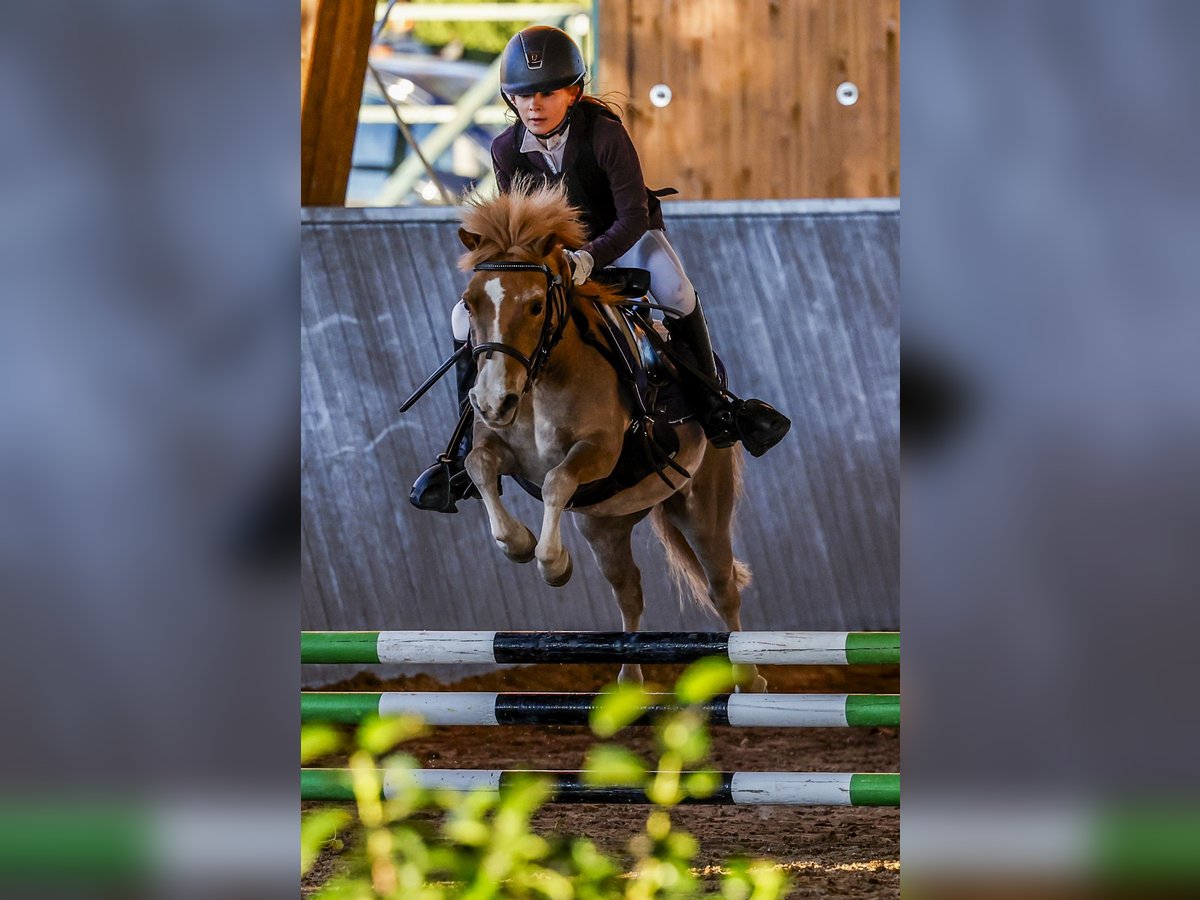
649	362
636	347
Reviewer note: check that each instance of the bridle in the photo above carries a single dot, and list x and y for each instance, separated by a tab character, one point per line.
553	324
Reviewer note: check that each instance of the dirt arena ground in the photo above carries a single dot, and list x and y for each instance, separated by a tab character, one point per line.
830	852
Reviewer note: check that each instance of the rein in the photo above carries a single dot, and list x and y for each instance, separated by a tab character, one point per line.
553	325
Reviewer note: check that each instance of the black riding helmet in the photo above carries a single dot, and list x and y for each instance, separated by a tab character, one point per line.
541	59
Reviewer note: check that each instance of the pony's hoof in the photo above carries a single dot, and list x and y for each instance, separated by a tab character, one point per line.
757	686
520	558
754	685
560	580
527	547
630	675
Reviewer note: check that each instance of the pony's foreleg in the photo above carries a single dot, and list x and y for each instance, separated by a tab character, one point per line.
613	549
587	460
485	463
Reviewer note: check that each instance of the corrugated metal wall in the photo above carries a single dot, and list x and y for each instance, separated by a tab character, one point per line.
803	303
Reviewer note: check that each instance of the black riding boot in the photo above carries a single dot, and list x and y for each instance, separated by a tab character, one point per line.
726	419
442	485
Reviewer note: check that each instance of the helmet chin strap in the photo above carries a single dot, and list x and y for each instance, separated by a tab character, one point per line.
562	126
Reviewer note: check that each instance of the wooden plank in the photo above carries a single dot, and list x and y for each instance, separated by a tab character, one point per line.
754	112
335	39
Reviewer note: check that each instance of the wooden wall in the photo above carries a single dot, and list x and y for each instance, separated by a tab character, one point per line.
754	113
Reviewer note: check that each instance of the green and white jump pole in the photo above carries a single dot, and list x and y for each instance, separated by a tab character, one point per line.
751	647
499	708
733	788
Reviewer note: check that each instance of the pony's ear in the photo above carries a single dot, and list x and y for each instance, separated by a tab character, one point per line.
549	242
470	241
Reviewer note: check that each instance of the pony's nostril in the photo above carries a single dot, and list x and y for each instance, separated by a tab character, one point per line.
508	404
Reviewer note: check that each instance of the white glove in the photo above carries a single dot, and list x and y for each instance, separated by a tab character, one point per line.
581	265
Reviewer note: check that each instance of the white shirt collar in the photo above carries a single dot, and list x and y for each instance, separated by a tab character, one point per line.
530	144
552	149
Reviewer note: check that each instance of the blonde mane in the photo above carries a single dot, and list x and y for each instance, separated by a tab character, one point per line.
515	224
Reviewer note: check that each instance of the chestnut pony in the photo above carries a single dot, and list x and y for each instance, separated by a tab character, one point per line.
550	408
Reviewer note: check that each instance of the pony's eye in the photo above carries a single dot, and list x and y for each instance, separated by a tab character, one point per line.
536	309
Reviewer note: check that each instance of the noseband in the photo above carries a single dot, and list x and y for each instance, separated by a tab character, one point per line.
553	325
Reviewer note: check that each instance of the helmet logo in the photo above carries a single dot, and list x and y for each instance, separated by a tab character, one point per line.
534	59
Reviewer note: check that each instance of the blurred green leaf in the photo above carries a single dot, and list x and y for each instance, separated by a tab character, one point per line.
701	784
769	880
590	862
613	766
466	831
527	793
470	804
617	706
411	844
658	825
682	845
531	846
704	679
367	782
346	887
758	879
316	829
685	734
380	735
664	789
735	883
317	741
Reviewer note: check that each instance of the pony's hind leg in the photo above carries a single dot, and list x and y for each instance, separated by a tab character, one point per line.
610	540
703	517
484	463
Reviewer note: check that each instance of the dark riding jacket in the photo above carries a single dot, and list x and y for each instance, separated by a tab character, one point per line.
603	177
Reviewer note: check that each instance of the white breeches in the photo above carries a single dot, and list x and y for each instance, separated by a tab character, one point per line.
669	284
460	321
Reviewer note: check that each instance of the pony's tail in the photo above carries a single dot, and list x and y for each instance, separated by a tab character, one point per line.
684	567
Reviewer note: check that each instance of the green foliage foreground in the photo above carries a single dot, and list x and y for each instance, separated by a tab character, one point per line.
480	39
435	845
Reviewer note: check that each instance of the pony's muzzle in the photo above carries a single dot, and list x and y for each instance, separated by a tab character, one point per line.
496	411
508	406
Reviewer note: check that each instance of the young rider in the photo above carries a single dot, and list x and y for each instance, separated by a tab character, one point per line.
564	134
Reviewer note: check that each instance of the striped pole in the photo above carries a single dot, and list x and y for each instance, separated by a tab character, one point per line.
491	708
737	788
439	647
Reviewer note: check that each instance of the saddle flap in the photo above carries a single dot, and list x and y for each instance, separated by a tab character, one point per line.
627	329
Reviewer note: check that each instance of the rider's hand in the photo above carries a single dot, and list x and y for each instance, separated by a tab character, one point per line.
581	265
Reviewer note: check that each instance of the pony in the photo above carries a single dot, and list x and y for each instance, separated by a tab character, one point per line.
549	409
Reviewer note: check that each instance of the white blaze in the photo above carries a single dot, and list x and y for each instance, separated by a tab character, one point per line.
495	290
489	385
